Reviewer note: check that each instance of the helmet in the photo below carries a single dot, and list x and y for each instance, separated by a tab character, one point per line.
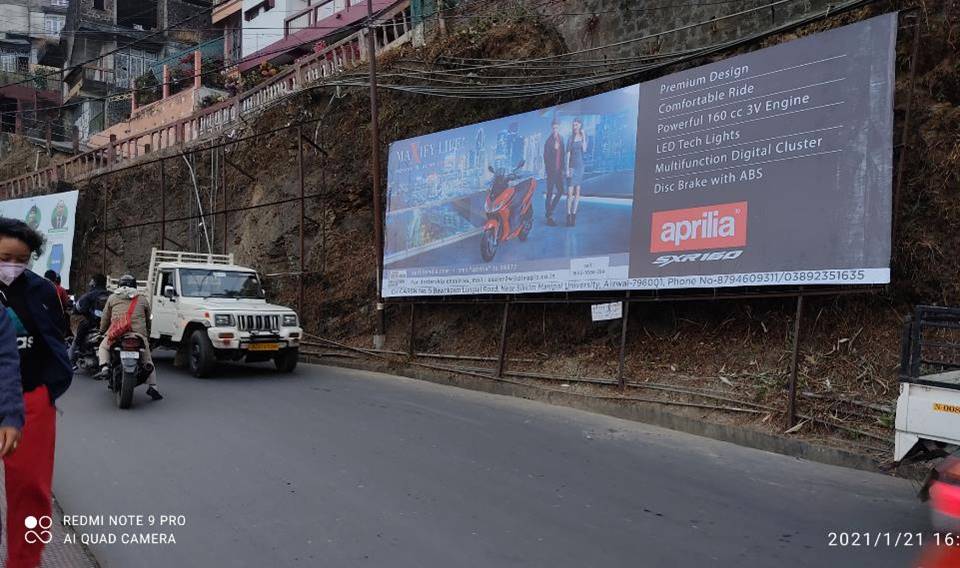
127	281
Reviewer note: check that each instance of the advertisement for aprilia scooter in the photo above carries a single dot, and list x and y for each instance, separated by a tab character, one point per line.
770	168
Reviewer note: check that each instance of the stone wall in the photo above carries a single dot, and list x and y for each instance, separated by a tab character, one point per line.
90	14
175	12
591	24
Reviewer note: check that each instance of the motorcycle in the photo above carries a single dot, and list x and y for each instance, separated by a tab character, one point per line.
86	347
509	209
127	368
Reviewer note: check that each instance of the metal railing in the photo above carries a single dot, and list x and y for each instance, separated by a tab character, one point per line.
394	30
42	81
930	342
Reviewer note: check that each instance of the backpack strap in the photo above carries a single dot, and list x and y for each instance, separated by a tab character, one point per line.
133	306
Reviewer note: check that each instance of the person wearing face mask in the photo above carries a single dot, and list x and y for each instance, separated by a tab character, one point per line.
32	305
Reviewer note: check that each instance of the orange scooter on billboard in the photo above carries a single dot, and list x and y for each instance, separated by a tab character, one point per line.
509	209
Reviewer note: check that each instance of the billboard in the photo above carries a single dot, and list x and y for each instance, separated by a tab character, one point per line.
770	168
53	216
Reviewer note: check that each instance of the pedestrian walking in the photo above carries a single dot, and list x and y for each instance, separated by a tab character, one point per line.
35	315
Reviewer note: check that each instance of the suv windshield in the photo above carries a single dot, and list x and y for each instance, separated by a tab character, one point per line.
199	283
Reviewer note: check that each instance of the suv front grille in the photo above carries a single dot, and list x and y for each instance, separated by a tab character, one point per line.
258	323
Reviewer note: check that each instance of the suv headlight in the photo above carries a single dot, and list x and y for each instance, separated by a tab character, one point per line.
290	320
223	320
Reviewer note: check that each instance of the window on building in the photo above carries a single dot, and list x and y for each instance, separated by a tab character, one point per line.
325	10
133	14
235	43
99	5
130	65
53	24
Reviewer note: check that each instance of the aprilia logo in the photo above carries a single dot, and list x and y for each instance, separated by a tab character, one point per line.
698	228
666	259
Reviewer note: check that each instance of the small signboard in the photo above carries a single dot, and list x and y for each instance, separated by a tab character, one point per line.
604	312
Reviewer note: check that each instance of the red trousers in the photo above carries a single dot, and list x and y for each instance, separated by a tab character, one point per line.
29	476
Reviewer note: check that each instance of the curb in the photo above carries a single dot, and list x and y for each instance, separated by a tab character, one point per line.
645	412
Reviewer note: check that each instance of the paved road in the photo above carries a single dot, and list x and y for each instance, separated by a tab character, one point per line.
341	468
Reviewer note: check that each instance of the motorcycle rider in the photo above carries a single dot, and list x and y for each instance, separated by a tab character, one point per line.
90	306
116	309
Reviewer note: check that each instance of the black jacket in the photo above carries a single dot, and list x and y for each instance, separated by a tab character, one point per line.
550	158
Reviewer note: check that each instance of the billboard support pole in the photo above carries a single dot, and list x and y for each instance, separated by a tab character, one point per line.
621	379
379	336
905	136
501	358
302	220
792	401
411	337
163	205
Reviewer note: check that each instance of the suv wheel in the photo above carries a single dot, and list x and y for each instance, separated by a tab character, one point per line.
201	357
286	361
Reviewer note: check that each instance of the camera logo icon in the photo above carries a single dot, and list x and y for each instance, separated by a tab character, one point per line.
38	529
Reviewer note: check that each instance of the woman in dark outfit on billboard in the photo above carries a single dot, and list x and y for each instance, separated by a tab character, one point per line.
32	304
576	148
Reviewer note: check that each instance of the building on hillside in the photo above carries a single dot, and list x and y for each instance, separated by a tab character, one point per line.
109	44
280	31
227	17
30	59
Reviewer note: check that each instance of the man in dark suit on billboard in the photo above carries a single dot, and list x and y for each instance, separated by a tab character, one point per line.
553	165
59	220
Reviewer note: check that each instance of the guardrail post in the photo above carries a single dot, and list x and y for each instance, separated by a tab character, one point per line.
621	379
411	337
502	357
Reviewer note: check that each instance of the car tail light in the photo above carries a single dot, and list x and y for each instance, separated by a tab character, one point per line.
131	343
